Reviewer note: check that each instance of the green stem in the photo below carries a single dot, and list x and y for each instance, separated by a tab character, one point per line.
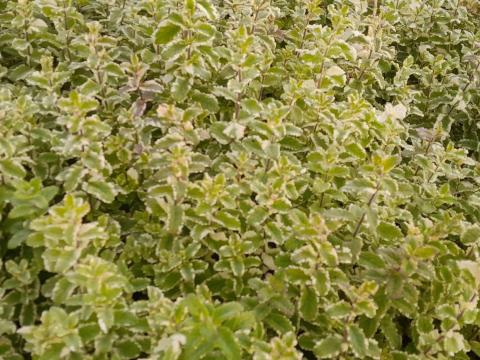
369	204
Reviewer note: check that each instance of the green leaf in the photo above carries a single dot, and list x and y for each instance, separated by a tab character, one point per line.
389	231
297	275
227	220
257	216
22	211
227	311
62	290
18	238
357	339
471	234
282	205
102	190
166	33
238	266
356	150
371	260
128	349
340	309
114	69
105	319
175	218
228	344
12	169
329	347
206	101
180	89
208	9
391	332
279	323
308	304
425	252
453	343
389	163
475	346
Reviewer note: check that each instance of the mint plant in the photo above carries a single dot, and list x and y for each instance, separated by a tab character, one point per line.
265	179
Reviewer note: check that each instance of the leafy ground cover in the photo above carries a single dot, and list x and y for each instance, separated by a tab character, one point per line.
233	179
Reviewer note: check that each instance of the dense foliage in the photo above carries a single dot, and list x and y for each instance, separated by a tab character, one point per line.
239	179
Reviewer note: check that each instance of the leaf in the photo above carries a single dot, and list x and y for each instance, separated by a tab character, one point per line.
228	344
128	349
257	216
356	150
234	131
308	304
180	88
279	323
425	252
208	9
102	190
206	101
28	314
471	234
165	33
19	72
329	347
389	231
227	220
357	339
282	205
12	169
238	266
454	342
22	211
297	275
475	346
391	332
340	309
105	319
227	311
18	238
62	290
114	69
175	218
359	185
371	260
389	163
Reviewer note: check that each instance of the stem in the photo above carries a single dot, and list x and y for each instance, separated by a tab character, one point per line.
320	79
260	93
255	16
189	51
322	197
429	91
101	81
429	145
67	36
123	8
267	167
434	171
304	34
456	9
29	52
373	30
375	7
369	203
239	97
